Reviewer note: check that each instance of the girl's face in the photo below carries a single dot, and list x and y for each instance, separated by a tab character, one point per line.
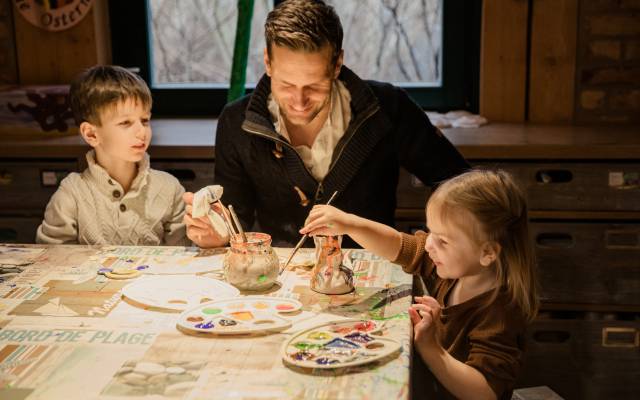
453	250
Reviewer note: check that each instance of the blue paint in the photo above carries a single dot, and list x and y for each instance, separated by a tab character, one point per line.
142	267
205	325
359	337
326	361
341	343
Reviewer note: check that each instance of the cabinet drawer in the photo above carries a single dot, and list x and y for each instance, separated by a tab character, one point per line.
18	230
411	193
578	186
28	186
587	356
193	175
588	262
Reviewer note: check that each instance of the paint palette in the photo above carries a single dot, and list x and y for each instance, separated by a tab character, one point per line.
177	292
240	315
337	345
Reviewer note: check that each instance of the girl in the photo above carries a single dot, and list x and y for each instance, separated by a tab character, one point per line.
478	267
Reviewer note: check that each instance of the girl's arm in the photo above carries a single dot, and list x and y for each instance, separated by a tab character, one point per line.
378	238
460	379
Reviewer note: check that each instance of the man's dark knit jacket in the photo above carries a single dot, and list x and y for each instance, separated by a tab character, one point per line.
264	177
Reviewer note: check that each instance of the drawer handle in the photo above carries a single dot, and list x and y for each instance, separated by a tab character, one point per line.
554	176
182	174
6	178
551	336
620	337
622	239
555	240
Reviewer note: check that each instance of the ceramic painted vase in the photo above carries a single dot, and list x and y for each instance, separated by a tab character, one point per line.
329	276
251	265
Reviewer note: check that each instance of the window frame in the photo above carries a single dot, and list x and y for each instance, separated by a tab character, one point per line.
459	87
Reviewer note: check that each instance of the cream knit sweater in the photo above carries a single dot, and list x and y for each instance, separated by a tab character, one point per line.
92	208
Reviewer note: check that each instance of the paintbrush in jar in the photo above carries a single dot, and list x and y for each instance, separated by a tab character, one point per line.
303	239
237	222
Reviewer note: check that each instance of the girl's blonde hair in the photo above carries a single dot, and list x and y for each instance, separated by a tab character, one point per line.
500	209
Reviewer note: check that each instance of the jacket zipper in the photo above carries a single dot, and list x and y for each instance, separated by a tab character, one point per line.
320	189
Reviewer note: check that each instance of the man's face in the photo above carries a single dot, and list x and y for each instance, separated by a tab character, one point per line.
301	81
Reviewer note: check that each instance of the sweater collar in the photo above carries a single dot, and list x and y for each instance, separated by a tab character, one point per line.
106	184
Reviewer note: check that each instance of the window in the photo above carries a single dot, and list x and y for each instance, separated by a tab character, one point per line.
184	49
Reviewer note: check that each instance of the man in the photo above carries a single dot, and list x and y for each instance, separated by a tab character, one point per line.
313	127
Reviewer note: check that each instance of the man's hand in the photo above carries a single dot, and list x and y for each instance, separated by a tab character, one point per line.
199	230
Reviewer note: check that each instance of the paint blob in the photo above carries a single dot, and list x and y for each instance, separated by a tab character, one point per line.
242	315
359	337
206	325
319	336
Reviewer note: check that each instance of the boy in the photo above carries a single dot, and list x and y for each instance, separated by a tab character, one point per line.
118	199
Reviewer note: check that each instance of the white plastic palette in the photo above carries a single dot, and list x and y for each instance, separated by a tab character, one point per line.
241	315
337	345
177	292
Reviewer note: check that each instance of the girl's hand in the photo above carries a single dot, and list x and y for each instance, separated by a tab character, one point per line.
328	221
423	316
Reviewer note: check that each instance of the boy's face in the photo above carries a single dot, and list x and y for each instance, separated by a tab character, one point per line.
301	81
124	132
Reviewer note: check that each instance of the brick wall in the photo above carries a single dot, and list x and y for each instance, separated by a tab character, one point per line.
608	62
8	68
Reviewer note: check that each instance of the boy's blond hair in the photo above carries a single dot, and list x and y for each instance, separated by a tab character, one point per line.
103	86
500	209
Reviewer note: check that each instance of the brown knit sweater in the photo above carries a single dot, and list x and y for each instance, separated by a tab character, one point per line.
487	336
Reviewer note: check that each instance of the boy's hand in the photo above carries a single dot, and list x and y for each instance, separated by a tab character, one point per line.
199	230
423	316
328	221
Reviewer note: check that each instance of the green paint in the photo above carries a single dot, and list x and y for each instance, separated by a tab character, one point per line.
211	311
378	315
306	346
262	278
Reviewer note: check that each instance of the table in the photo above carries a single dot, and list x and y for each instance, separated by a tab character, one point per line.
67	333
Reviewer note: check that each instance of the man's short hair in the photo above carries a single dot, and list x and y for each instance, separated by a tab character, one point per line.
306	25
104	86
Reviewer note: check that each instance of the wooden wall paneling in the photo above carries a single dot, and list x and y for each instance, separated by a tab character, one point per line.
503	60
553	60
103	31
54	57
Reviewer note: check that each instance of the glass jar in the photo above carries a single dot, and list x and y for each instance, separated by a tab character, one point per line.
251	265
329	276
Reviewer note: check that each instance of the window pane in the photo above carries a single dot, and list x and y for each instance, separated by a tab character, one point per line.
393	40
389	40
192	41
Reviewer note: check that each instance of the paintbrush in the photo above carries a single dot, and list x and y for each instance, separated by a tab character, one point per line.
237	222
302	239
